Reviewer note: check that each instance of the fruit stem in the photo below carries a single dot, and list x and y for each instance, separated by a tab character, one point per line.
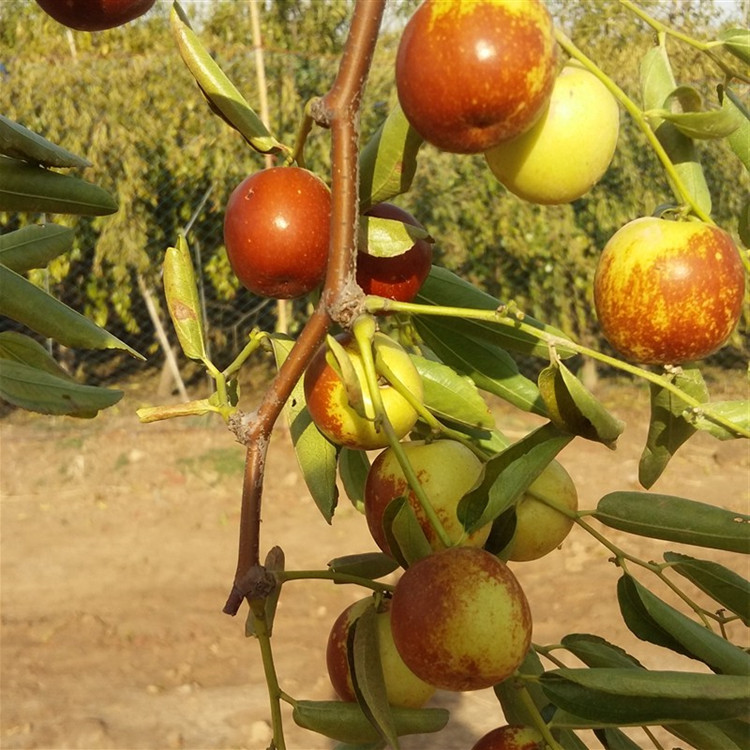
379	304
681	192
368	361
257	607
256	336
331	575
305	126
536	717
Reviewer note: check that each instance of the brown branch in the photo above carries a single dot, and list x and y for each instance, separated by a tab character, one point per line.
341	300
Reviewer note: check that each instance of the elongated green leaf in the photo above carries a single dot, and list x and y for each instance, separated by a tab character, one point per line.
675	519
19	142
29	305
508	475
653	620
315	453
359	746
353	469
405	537
21	348
739	140
371	565
444	289
615	739
737	41
367	675
491	368
709	736
718	123
725	586
657	83
389	160
668	429
26	187
452	396
737	412
346	722
595	651
34	246
628	697
387	238
221	93
572	408
42	391
183	301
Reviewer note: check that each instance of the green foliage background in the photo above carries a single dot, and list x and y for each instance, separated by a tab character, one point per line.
124	99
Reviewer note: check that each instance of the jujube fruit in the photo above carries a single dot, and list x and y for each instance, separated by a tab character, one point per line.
668	292
568	149
472	74
328	401
398	277
446	469
511	737
94	15
277	231
403	687
460	619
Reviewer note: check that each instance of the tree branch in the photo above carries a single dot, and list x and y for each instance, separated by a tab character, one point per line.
341	300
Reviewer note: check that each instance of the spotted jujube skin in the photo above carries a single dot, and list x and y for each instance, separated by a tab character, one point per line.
668	292
472	73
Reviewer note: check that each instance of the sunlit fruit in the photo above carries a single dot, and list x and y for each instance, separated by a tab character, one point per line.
398	277
446	469
460	619
94	15
539	527
668	292
570	147
472	74
328	399
511	737
276	232
402	686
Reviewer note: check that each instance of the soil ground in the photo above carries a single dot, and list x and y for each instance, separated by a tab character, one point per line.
118	550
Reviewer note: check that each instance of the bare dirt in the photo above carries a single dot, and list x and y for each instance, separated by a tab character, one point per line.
118	551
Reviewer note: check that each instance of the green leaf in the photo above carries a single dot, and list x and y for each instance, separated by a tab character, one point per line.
630	697
572	408
491	368
34	246
718	123
389	160
739	140
657	84
221	93
723	585
346	722
26	187
709	736
509	474
183	301
615	739
367	675
39	390
451	396
445	289
21	143
387	238
653	620
595	651
668	429
675	519
316	455
353	469
737	41
405	537
31	306
737	412
372	565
